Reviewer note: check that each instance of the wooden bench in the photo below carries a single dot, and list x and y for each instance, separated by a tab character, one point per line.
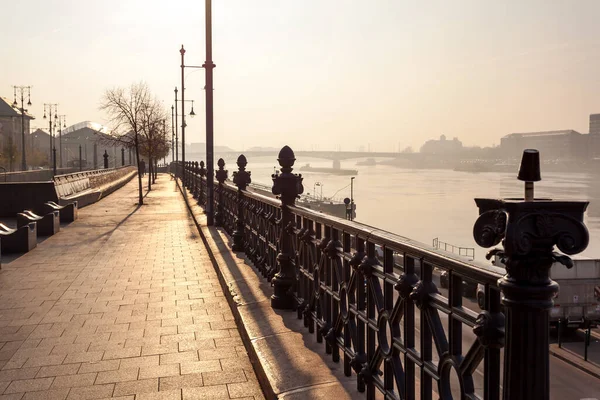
47	225
19	240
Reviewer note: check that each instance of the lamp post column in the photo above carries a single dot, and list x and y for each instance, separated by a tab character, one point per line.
176	130
182	52
208	68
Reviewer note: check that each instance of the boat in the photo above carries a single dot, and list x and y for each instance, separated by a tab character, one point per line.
335	171
332	207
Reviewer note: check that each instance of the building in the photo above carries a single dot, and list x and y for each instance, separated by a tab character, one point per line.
442	146
553	145
594	139
94	140
11	126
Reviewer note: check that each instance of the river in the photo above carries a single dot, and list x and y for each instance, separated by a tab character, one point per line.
424	204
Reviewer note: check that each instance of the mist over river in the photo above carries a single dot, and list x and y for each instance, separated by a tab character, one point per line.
423	204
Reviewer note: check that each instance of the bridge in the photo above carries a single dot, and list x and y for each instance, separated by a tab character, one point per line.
328	155
373	299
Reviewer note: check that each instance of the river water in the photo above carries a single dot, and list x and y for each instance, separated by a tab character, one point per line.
424	204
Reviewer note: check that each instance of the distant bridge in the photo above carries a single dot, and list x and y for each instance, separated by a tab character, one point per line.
328	155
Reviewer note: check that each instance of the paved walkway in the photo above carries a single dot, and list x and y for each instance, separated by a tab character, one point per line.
124	303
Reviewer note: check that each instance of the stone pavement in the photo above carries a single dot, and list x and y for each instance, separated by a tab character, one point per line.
124	303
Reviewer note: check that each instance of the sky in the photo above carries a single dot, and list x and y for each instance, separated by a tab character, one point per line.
319	74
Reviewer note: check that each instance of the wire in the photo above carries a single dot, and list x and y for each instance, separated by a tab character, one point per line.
340	190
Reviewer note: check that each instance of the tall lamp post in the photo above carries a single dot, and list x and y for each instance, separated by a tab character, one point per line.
172	133
208	68
176	130
183	124
62	123
22	90
50	106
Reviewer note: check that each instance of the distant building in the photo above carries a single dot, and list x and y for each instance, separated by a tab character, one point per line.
11	124
94	140
442	146
40	140
594	139
553	145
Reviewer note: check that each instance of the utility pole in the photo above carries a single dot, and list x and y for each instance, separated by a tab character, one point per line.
172	134
22	90
208	68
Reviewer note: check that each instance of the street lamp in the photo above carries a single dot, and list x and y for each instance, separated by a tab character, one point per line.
50	106
22	90
183	124
172	133
208	68
62	123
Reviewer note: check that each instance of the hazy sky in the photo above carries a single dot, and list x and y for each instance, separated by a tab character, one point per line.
320	72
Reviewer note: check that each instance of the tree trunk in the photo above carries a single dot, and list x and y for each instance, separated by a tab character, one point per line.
139	168
155	169
149	173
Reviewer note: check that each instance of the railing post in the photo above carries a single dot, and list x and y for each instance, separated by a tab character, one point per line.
529	230
287	186
241	178
195	180
202	173
221	176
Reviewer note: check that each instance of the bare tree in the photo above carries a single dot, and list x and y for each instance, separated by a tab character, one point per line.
134	116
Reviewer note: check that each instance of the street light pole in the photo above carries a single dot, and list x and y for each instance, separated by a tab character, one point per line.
176	130
22	91
208	68
62	123
50	105
182	52
172	133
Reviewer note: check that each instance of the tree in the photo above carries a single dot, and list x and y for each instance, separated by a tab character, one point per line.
134	116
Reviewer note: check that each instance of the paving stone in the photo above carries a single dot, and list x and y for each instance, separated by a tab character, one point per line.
180	381
29	385
91	392
221	377
97	366
136	387
159	371
120	375
69	381
209	392
52	394
57	370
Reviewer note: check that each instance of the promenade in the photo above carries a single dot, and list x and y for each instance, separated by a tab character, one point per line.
123	303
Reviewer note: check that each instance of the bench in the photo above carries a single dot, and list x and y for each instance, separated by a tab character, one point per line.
68	212
19	240
47	225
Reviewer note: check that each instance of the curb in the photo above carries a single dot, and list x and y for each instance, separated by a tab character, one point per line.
254	359
573	363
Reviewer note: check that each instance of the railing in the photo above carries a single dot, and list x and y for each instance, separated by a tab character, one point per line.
392	327
461	251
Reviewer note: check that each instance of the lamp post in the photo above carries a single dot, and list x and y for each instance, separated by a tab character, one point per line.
208	68
172	133
183	124
62	123
50	106
176	130
22	90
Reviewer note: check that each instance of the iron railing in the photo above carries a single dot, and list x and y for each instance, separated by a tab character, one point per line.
388	322
461	251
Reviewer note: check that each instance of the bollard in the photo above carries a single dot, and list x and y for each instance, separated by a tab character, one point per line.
221	176
529	229
241	178
287	186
